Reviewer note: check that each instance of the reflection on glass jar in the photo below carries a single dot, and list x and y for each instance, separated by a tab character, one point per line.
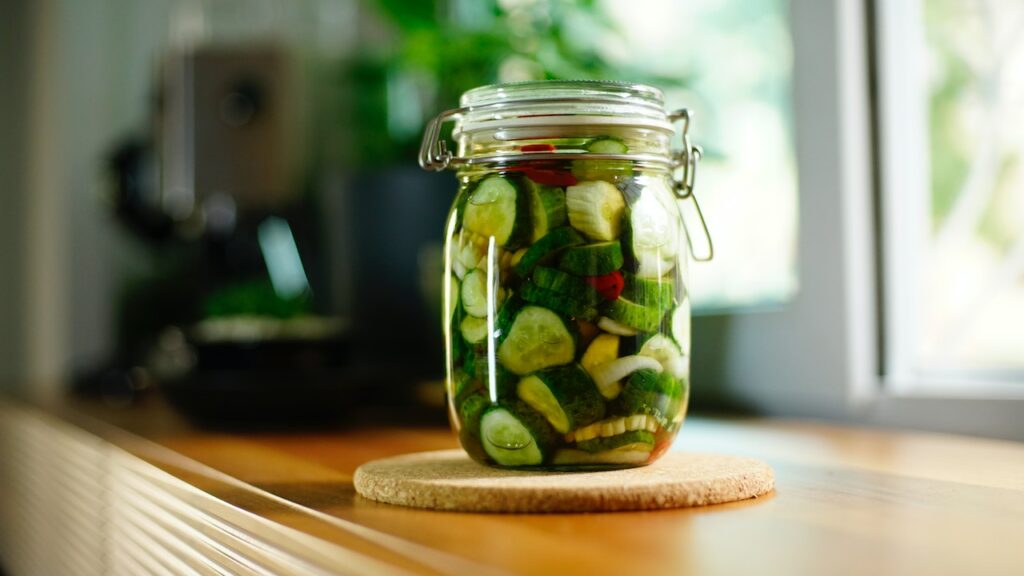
566	315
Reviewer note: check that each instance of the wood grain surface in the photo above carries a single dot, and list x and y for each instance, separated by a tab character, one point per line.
847	501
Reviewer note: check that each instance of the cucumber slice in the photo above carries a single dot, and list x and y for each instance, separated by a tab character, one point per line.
637	440
680	326
563	283
652	292
537	339
515	435
643	318
499	208
595	208
454	289
504	381
551	244
547	206
613	327
470	249
556	301
623	456
474	293
651	392
565	396
592	259
473	329
603	169
471	409
507	314
463	385
653	233
607	145
607	376
602	350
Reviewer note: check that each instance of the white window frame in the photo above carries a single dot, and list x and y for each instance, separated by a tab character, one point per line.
820	355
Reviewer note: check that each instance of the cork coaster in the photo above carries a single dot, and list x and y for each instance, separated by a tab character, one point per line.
449	480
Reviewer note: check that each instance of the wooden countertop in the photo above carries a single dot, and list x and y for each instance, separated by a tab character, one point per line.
848	501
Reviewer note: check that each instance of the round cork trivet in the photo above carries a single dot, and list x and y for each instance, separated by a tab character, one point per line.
449	480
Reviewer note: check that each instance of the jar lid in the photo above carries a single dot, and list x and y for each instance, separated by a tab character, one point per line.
553	103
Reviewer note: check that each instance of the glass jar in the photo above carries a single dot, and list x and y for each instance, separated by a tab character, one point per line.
566	316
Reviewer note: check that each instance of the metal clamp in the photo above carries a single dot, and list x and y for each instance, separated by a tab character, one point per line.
684	176
434	153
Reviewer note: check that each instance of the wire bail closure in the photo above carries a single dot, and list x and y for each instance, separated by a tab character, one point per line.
684	176
434	153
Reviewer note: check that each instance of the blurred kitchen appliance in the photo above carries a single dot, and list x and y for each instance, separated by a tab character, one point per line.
228	129
286	285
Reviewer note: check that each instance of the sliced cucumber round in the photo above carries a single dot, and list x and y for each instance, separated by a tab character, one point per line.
592	259
474	293
680	326
453	303
473	329
651	392
643	318
595	208
603	169
653	233
538	338
653	292
471	409
548	246
607	145
547	207
565	283
566	396
557	301
515	435
499	208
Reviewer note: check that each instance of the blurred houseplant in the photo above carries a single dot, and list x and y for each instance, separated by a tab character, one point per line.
435	50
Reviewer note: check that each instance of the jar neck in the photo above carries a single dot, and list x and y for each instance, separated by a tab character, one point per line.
519	143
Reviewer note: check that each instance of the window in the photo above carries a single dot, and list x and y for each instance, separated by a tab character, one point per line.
952	97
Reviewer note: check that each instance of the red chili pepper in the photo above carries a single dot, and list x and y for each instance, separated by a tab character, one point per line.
538	148
609	286
545	176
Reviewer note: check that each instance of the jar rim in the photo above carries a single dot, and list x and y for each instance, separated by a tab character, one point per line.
551	103
628	92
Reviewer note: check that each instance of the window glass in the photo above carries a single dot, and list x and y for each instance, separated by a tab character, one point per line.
972	315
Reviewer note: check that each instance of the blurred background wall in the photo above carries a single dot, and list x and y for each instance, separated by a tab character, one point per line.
15	35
